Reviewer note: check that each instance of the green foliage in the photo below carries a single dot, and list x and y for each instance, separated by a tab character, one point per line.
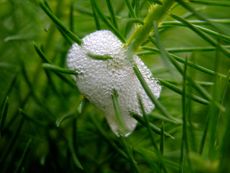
46	125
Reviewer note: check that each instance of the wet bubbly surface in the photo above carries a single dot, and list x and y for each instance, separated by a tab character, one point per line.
98	78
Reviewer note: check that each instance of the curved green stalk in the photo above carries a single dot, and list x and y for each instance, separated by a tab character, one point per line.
155	14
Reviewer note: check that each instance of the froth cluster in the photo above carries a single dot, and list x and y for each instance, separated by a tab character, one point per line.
97	78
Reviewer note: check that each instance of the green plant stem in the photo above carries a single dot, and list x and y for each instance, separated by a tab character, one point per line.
155	14
23	157
148	91
117	110
214	3
59	24
57	69
3	114
112	14
129	152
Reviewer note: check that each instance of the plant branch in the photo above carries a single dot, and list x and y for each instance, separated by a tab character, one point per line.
155	14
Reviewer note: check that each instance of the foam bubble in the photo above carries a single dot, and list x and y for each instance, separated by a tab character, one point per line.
99	78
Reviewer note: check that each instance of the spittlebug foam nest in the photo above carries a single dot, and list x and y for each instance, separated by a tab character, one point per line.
98	78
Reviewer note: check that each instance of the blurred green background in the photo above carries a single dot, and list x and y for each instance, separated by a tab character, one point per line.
47	126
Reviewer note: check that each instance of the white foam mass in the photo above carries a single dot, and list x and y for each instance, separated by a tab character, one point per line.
99	78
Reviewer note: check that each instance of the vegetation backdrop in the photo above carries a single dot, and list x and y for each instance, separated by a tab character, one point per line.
47	126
